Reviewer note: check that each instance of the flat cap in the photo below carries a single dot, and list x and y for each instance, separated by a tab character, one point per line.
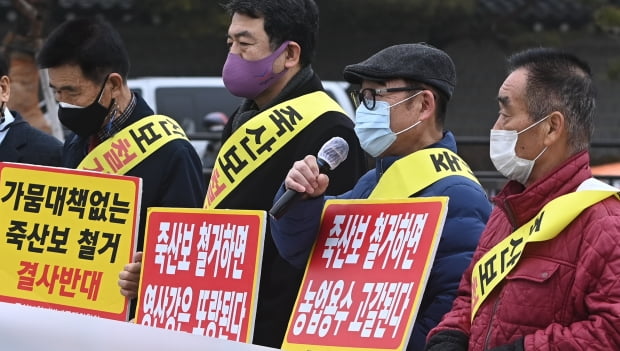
420	62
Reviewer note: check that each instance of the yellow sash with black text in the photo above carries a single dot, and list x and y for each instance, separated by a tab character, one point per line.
417	171
261	137
134	143
495	265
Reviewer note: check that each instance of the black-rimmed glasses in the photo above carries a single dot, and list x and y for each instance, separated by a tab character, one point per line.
368	96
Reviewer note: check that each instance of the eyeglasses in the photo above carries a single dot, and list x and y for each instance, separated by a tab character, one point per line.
368	96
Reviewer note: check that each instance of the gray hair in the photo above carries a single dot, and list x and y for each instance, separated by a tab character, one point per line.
559	81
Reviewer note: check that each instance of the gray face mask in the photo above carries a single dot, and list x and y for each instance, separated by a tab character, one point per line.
373	127
504	157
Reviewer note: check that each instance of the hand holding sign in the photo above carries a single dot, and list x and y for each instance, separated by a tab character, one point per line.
129	278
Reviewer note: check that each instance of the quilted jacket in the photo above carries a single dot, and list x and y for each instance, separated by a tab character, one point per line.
564	294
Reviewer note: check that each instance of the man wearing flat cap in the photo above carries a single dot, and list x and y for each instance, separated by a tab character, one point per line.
399	120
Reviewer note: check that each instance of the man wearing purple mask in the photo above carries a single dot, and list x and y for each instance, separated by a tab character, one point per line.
285	115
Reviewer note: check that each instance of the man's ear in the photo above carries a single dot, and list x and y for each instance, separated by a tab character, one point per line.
116	81
293	54
427	108
5	89
556	128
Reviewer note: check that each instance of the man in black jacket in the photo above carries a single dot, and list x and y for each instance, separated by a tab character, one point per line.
19	141
272	43
285	115
88	67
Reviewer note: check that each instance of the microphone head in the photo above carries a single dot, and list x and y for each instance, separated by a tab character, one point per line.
334	151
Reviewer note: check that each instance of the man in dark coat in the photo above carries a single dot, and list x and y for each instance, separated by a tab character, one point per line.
269	65
88	67
280	49
19	141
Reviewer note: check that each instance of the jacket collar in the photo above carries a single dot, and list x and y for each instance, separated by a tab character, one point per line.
521	204
8	119
11	144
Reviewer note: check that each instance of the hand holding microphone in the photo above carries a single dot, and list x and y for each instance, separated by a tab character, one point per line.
307	176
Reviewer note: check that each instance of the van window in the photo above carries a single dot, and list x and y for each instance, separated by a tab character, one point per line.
189	105
190	99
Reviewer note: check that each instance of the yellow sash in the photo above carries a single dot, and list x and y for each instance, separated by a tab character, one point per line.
417	171
493	266
260	138
127	148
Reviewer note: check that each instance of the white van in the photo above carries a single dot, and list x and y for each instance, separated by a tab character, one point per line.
190	99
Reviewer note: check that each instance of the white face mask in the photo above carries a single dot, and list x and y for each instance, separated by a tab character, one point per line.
373	127
504	157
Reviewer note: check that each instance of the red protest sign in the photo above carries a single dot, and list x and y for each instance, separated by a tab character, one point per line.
366	274
200	271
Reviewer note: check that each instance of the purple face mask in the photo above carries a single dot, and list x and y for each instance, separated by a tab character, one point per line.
249	79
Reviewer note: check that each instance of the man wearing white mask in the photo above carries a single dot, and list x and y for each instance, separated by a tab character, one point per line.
399	120
545	273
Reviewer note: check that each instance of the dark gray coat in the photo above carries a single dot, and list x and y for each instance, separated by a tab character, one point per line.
26	144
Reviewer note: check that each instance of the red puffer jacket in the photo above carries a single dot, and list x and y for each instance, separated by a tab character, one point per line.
564	294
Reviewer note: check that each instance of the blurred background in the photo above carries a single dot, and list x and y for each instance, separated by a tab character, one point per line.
187	38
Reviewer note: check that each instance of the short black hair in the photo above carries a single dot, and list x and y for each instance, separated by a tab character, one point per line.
4	67
559	81
295	20
90	43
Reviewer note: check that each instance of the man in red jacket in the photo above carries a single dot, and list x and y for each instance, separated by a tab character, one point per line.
545	273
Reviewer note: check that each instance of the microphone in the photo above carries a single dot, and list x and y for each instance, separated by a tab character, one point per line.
331	154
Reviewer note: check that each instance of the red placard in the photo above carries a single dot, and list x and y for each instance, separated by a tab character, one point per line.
200	271
366	274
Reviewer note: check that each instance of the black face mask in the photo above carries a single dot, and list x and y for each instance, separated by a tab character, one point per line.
85	121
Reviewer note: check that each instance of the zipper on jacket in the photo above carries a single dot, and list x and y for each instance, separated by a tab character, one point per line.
488	336
511	218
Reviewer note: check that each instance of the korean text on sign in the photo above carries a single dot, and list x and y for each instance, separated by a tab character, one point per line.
68	235
200	271
366	274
